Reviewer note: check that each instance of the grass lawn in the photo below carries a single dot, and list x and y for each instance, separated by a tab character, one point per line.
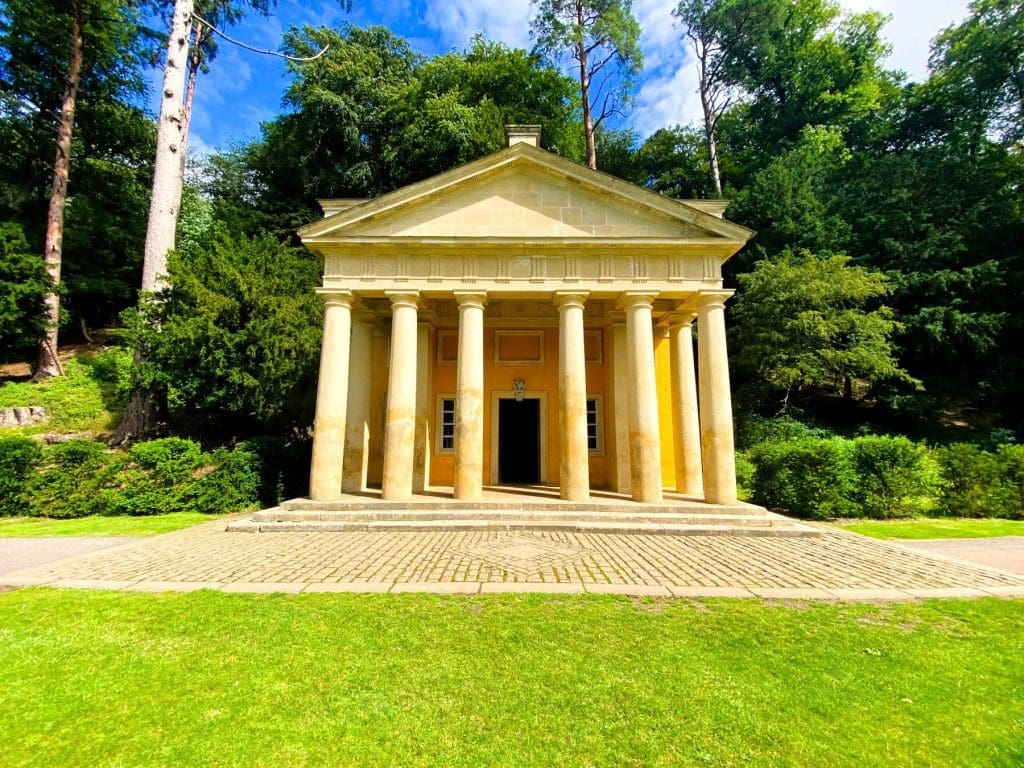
106	678
936	528
21	527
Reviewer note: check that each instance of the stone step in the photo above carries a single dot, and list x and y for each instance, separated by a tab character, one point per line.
754	517
783	528
537	503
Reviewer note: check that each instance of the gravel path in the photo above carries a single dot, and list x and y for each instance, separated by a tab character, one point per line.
16	554
1006	552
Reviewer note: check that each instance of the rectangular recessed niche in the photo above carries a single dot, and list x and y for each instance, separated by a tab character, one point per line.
519	347
447	346
592	346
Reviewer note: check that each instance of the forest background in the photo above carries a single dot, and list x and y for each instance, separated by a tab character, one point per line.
881	293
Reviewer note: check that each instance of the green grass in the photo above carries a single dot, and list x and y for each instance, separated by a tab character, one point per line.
85	400
24	527
112	679
936	528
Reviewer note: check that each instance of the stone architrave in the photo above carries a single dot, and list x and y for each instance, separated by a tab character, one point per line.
716	435
332	398
572	398
685	418
469	397
400	419
644	436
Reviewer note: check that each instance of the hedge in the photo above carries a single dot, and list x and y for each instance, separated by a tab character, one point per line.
82	477
886	477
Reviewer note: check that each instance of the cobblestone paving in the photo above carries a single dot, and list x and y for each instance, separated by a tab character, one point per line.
836	565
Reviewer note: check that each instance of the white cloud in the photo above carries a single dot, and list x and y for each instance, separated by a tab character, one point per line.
458	20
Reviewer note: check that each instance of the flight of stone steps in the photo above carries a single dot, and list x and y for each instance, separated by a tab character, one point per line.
674	519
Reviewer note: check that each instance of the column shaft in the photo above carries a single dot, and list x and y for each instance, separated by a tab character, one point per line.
716	439
400	419
357	427
331	400
424	390
644	437
685	419
572	398
620	389
469	397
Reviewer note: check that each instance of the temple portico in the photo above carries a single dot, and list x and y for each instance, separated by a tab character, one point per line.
524	320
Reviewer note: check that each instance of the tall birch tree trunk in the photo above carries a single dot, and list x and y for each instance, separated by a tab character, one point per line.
165	202
142	413
48	364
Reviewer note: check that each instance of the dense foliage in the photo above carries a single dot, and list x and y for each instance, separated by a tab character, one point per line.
82	477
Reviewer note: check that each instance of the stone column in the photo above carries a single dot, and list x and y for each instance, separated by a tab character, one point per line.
620	389
716	437
357	427
644	438
469	397
685	421
331	398
400	419
572	397
424	390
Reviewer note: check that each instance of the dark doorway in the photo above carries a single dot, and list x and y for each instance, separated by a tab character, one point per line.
519	441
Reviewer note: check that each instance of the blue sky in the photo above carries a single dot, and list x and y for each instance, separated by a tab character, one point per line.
243	89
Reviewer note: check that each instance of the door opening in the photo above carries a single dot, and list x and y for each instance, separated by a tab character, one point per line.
519	441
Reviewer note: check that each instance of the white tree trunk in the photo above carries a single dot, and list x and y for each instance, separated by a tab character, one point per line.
170	145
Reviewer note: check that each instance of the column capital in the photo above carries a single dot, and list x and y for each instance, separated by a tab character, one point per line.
568	299
713	299
631	299
681	318
475	299
334	297
404	298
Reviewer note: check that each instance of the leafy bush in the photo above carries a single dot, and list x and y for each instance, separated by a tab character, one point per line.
970	481
1010	490
81	477
283	467
18	458
895	477
68	480
233	483
808	478
753	430
744	477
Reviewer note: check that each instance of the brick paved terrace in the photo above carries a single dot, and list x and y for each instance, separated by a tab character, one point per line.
835	565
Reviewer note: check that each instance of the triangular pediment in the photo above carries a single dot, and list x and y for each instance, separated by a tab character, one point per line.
523	192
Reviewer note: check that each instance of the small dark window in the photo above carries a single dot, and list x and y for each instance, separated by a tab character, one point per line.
592	428
447	424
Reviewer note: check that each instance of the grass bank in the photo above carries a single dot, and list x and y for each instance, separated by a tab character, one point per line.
104	679
936	528
99	525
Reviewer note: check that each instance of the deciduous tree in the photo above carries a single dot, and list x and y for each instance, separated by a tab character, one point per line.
602	38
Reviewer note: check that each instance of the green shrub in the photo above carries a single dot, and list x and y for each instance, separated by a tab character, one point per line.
232	484
170	459
68	479
753	430
970	479
744	477
1010	490
18	458
24	284
895	476
807	478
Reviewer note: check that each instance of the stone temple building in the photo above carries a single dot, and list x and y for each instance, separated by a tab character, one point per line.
524	320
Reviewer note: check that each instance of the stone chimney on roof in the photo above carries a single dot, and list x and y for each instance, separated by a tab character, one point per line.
523	134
